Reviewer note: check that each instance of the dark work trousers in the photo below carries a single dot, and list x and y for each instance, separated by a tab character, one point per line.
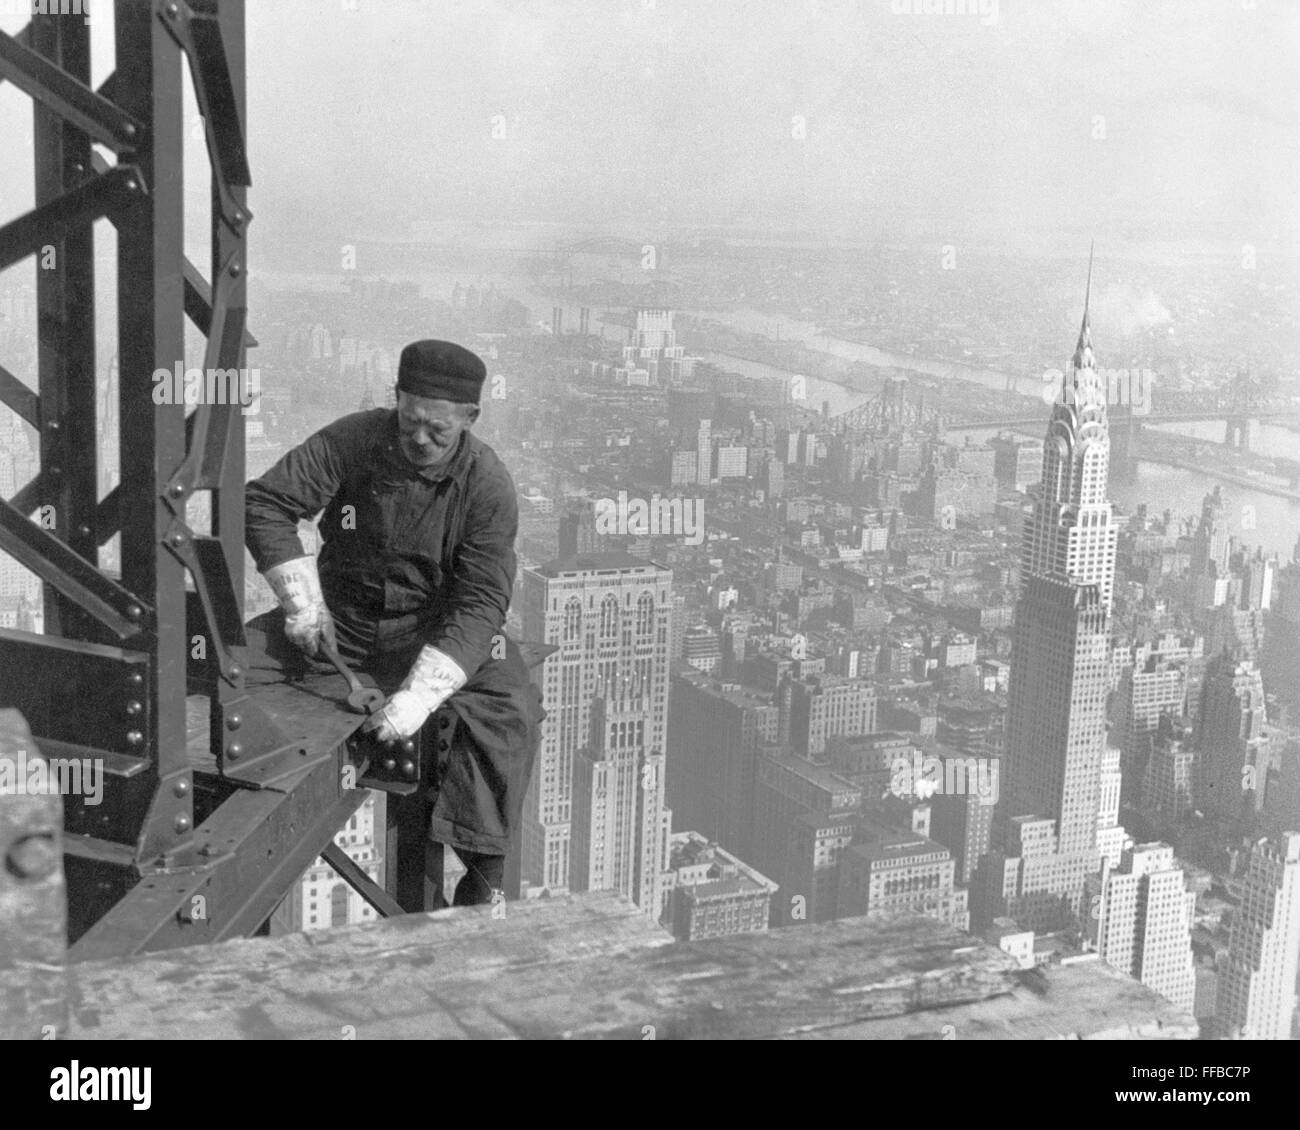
484	875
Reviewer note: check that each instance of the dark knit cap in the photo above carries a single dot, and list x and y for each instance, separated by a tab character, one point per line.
441	370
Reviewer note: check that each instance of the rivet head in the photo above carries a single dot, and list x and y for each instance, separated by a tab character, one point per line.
134	707
389	764
135	678
53	426
180	788
177	539
236	671
234	751
408	746
173	10
181	823
235	270
134	737
177	489
233	721
83	530
33	856
134	612
408	768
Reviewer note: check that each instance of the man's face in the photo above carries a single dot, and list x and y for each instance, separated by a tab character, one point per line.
428	430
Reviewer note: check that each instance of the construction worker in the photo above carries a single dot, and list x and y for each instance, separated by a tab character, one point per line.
411	584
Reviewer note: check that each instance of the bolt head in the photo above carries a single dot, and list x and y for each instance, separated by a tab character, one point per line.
32	856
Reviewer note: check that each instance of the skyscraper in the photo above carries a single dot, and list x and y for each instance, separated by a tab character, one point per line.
1056	716
620	825
1144	925
704	453
1060	665
1231	742
609	616
1257	987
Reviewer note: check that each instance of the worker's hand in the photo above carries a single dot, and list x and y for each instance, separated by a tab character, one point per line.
434	678
307	620
398	719
308	628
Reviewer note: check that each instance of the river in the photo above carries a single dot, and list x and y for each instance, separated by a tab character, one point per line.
1274	522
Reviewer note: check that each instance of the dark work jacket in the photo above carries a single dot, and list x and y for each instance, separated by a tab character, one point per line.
413	556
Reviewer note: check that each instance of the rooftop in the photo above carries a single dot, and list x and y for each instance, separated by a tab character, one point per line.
595	562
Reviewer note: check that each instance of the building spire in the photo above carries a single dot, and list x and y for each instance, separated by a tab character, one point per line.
1083	350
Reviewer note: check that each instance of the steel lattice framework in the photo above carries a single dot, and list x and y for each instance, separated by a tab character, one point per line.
194	840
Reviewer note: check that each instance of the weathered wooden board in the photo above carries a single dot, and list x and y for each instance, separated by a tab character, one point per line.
585	966
1088	1001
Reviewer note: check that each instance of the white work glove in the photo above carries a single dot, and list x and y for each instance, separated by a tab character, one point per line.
433	679
307	620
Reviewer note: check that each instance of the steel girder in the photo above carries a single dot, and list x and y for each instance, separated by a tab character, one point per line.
111	677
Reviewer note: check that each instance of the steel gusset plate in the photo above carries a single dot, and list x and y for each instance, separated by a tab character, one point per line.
197	31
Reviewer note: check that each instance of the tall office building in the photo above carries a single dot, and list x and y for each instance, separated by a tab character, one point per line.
1257	985
653	347
715	732
704	453
1147	690
1056	710
609	616
827	706
1144	922
620	824
1231	746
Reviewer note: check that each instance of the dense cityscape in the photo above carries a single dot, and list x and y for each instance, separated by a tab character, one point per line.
819	663
881	552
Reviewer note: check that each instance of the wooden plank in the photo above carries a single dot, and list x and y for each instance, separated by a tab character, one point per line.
1087	1001
33	915
591	966
384	979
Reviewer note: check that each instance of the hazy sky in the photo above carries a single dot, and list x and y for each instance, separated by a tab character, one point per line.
637	111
